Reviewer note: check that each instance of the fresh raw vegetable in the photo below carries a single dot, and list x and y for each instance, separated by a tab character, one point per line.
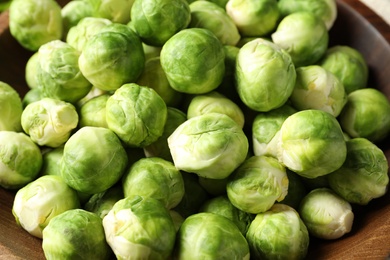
161	129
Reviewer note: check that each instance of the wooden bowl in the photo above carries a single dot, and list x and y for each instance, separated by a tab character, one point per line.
356	26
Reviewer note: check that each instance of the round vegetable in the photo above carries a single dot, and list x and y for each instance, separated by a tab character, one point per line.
93	160
117	11
210	145
20	159
194	61
11	107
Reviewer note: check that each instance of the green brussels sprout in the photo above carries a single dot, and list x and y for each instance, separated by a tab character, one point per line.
154	177
117	11
153	76
75	234
102	60
317	88
254	17
266	127
37	203
31	71
194	61
20	159
326	10
257	184
140	228
214	187
278	233
366	114
211	145
194	196
137	114
49	121
216	237
51	160
176	218
78	35
325	214
58	72
93	112
208	15
348	65
364	174
307	46
93	160
35	22
221	205
31	96
156	21
11	107
297	189
311	143
73	12
101	203
214	102
160	148
265	75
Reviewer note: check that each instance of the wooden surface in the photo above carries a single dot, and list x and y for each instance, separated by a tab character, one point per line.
356	26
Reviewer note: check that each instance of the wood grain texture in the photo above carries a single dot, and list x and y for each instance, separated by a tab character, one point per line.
356	26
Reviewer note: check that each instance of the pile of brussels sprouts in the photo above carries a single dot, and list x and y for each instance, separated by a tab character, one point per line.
158	129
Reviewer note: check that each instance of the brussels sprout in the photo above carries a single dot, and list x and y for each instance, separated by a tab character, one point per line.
73	12
58	72
304	36
364	174
216	237
51	160
366	114
31	71
278	233
154	177
153	76
194	61
297	189
326	10
140	228
35	22
325	214
266	127
78	35
137	114
74	234
156	21
160	148
348	65
257	184
254	17
265	75
214	102
101	203
221	205
117	11
214	187
194	196
49	121
93	112
37	203
11	107
317	88
20	159
208	15
93	160
102	60
311	143
211	145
